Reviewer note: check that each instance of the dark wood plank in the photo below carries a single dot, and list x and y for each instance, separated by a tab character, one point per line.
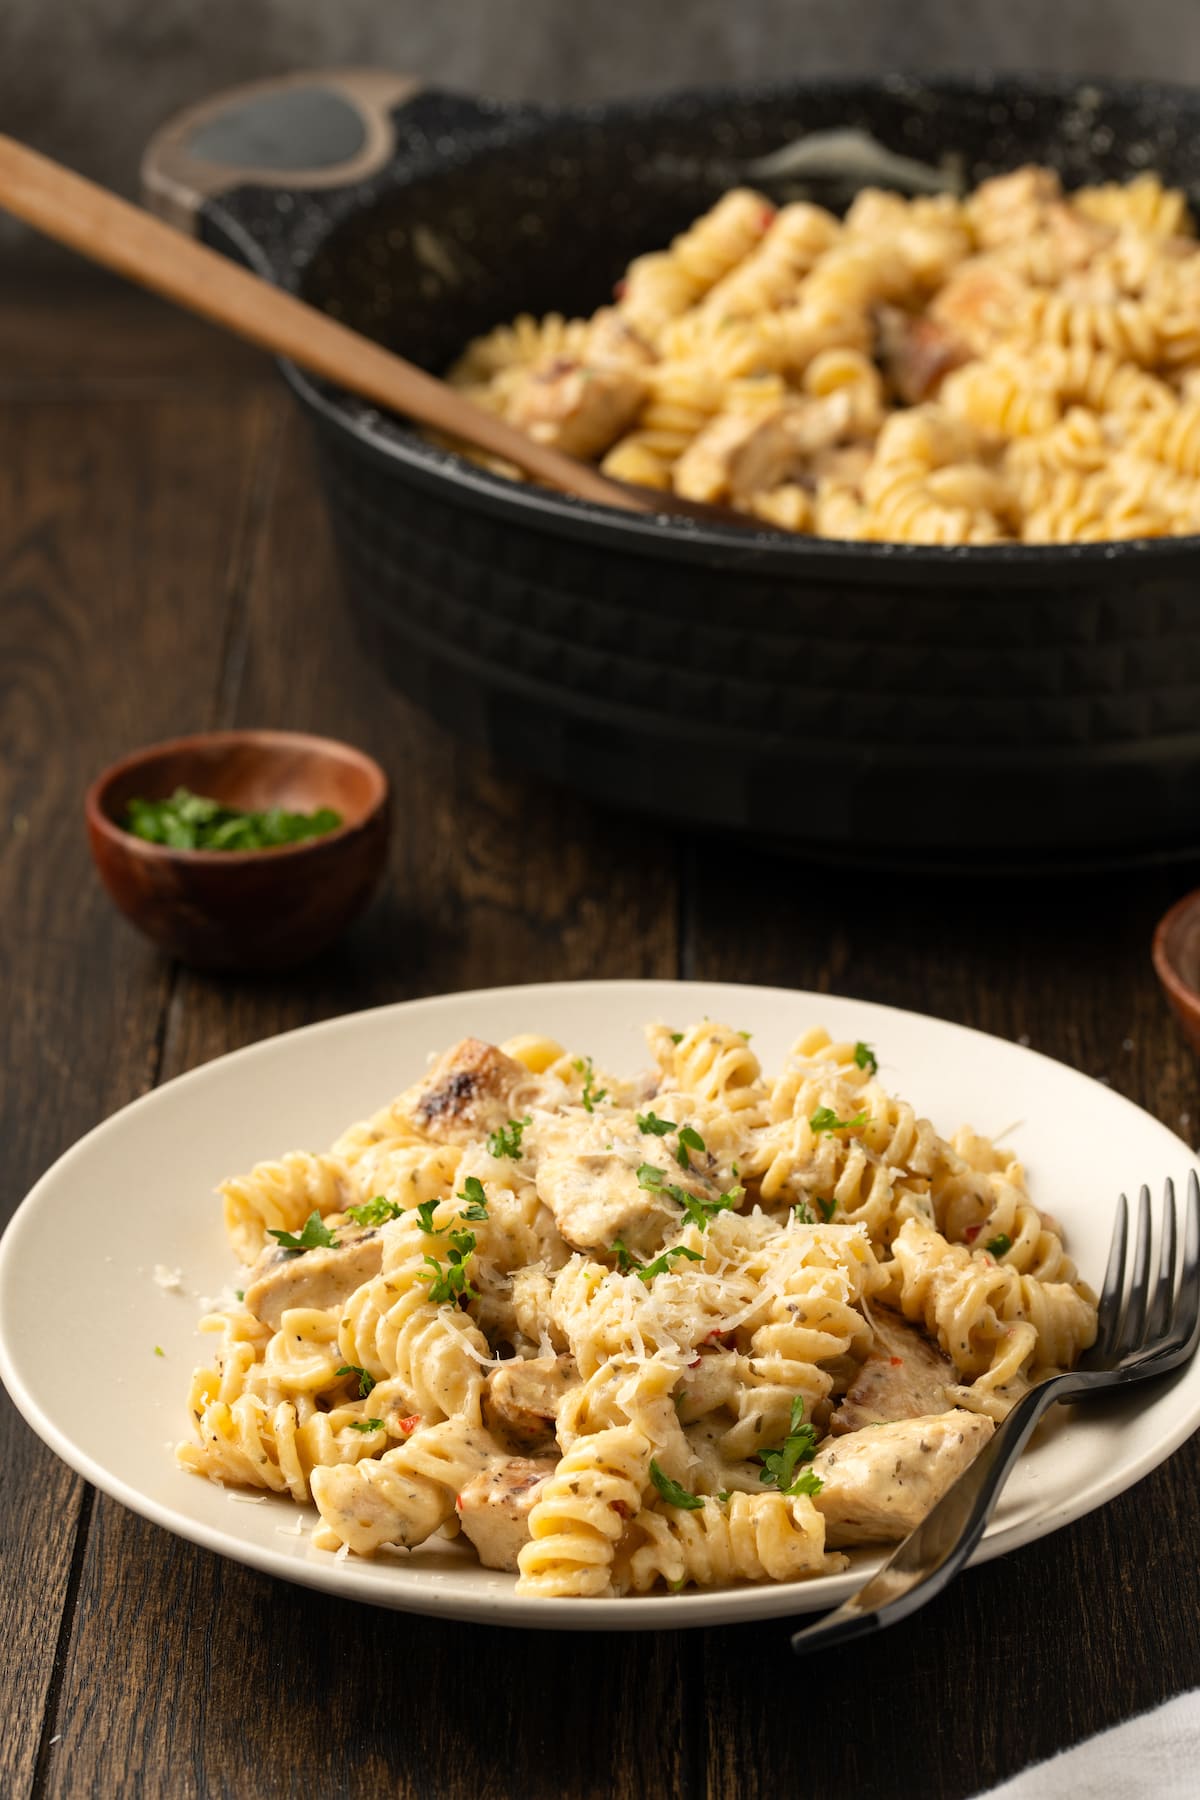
76	329
491	879
108	569
1044	1647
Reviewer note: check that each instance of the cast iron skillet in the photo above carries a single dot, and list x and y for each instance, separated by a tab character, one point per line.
981	708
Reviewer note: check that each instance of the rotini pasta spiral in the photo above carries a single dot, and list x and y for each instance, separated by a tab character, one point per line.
582	1512
750	1537
280	1196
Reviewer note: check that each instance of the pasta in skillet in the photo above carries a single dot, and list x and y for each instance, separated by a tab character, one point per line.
1020	365
692	1327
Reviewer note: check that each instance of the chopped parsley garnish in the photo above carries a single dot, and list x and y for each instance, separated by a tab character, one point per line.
507	1140
366	1424
677	1037
159	1351
689	1139
702	1212
746	1034
865	1057
366	1381
591	1095
662	1263
375	1212
672	1493
654	1126
698	1210
799	1446
239	1293
449	1284
826	1208
724	1496
190	821
425	1214
804	1212
625	1261
473	1194
314	1235
825	1119
1000	1245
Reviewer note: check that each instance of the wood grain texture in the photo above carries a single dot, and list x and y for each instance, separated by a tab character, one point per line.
164	562
98	552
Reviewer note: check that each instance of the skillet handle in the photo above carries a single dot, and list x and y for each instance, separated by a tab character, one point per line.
315	129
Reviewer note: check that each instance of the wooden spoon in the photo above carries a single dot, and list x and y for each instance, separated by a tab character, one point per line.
130	240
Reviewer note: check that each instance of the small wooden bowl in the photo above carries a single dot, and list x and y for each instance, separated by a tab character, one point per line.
244	909
1176	954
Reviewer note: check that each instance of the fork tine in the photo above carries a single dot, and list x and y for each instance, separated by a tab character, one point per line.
1187	1312
1164	1293
1132	1332
1114	1282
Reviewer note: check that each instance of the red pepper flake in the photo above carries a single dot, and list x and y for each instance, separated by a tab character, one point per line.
695	1363
767	219
717	1335
410	1423
971	1233
620	289
897	1362
458	1502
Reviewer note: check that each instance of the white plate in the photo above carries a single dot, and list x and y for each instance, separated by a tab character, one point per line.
80	1313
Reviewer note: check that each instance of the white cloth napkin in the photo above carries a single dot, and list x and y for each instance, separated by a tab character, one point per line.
1155	1756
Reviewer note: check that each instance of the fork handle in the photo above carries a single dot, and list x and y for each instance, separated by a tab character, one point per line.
932	1554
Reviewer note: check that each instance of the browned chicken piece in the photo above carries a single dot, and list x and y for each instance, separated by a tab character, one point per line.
744	453
595	1199
916	352
879	1483
322	1278
467	1092
612	339
1076	239
843	465
521	1399
494	1508
580	408
903	1377
979	304
1012	206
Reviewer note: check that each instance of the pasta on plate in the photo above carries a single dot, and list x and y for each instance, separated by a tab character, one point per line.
1022	365
693	1326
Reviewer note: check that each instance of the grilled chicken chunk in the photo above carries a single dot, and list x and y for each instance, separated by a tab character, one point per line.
322	1278
742	453
581	408
879	1483
595	1199
904	1377
521	1398
613	339
467	1093
495	1505
916	352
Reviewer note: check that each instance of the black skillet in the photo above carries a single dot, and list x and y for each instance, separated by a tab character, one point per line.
1016	707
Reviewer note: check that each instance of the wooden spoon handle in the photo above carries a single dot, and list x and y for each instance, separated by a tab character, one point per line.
126	238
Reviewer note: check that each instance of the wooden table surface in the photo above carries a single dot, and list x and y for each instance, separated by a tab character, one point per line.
165	566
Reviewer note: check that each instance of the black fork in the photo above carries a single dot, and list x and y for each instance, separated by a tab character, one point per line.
1141	1333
